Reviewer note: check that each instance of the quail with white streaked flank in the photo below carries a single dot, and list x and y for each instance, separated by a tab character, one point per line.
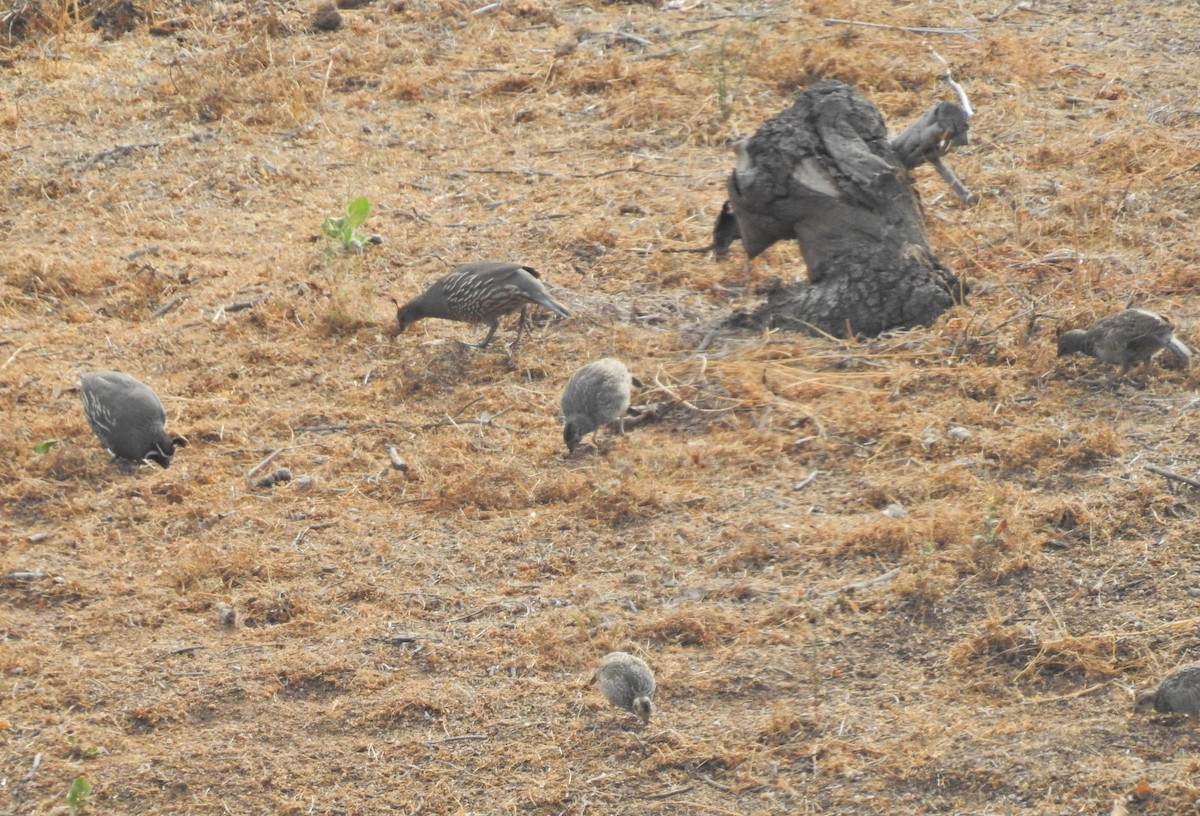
1125	338
1178	693
127	417
627	682
596	395
480	292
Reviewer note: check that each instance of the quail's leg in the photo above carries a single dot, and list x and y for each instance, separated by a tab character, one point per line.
522	326
482	344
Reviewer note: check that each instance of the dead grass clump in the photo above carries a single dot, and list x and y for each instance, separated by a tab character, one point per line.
249	80
751	556
919	591
21	19
38	279
410	711
198	565
1020	646
621	503
69	462
786	725
272	609
498	489
316	681
691	626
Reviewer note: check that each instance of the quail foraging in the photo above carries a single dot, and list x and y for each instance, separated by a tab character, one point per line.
1178	693
596	394
627	682
1126	338
480	292
127	417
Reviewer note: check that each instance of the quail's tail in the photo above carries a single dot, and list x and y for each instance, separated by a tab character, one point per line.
1176	345
546	302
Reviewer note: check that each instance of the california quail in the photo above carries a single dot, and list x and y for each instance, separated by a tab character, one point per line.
480	293
127	417
627	682
1126	338
596	394
1178	693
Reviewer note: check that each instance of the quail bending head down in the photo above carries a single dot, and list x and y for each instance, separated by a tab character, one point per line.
596	394
627	682
1126	338
480	292
127	417
1178	693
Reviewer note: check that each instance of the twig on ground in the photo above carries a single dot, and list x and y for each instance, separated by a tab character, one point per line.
669	793
166	307
1172	475
957	32
857	585
115	152
458	738
270	457
397	462
12	357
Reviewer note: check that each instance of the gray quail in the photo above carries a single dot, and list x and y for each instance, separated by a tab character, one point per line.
1178	693
1126	338
480	292
596	394
127	417
627	682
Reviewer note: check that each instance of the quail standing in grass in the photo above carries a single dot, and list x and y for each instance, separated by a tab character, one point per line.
480	293
1126	338
627	682
127	417
596	394
1178	693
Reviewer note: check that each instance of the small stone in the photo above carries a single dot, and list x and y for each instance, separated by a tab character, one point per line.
274	477
226	614
958	433
895	511
326	18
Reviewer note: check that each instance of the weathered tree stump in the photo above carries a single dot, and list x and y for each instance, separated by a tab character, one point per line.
824	173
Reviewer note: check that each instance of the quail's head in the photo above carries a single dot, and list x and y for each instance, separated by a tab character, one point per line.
406	315
1143	703
163	451
643	708
572	434
1071	342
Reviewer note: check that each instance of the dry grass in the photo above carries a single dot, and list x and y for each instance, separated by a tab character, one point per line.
421	640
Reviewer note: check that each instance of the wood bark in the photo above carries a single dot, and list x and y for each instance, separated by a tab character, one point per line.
824	173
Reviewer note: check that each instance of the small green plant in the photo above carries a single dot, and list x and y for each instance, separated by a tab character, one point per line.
79	750
77	796
344	228
726	65
993	526
42	448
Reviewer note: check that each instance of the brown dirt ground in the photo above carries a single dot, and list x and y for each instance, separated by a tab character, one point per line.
421	641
